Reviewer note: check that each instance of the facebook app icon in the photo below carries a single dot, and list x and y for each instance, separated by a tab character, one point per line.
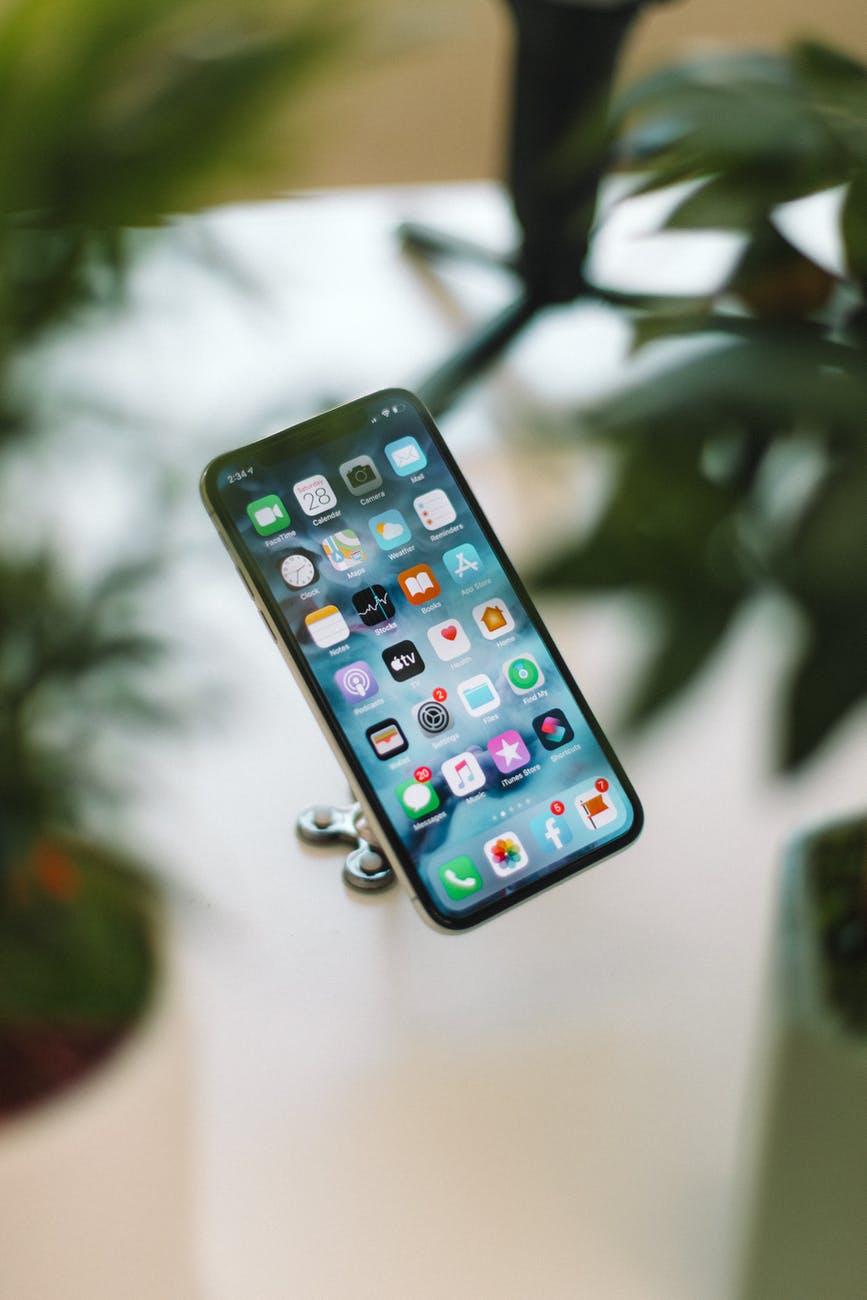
552	833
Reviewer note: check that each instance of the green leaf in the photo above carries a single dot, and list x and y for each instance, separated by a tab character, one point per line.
828	682
694	624
854	228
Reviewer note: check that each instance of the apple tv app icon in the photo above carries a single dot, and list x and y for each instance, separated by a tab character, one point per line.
403	661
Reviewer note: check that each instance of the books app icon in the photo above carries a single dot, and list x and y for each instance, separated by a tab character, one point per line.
418	584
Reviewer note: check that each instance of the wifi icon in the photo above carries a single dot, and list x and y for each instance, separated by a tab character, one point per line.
374	605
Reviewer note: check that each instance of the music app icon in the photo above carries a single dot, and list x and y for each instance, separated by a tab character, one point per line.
463	774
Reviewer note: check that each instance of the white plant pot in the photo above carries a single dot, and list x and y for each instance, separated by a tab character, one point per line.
96	1185
806	1205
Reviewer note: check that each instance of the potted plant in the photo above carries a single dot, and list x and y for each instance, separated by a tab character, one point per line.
739	471
110	116
806	1185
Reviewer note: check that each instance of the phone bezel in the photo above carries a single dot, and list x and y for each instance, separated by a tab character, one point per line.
328	427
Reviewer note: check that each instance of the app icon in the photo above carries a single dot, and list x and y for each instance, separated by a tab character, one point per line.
327	626
374	605
314	494
493	618
448	639
553	729
268	515
419	584
403	661
552	833
434	509
523	674
344	549
418	798
432	717
387	739
360	475
406	456
463	562
390	529
463	774
508	751
297	570
506	853
356	682
596	806
460	877
478	695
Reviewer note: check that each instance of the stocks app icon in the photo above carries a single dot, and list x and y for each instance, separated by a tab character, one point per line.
374	605
432	717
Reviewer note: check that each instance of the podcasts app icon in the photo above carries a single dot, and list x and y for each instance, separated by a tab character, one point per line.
356	682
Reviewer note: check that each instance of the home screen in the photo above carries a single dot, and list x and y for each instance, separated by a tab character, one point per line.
448	696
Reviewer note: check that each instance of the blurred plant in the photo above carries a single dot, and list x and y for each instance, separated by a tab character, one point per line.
741	465
111	115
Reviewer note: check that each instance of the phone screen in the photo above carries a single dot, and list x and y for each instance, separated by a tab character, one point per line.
452	707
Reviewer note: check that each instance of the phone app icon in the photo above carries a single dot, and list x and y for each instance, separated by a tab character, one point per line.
405	456
387	739
493	618
463	774
356	682
344	549
508	751
506	853
403	661
523	674
448	639
418	798
327	626
463	562
432	717
268	515
360	475
596	806
374	605
478	695
390	530
298	570
315	495
553	729
460	877
419	584
551	833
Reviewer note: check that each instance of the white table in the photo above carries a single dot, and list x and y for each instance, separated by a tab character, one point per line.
549	1106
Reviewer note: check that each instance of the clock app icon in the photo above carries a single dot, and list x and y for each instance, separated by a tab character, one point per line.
297	570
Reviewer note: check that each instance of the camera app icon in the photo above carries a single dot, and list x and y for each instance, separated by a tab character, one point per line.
360	475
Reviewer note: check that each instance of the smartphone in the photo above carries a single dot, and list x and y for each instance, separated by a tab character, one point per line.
472	751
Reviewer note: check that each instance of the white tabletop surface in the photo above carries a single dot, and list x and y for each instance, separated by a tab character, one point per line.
548	1106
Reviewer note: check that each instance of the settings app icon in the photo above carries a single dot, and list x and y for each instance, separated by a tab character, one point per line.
432	717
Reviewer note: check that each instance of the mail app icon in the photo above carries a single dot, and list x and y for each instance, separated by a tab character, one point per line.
405	456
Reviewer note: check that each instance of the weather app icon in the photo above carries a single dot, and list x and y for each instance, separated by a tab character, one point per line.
390	529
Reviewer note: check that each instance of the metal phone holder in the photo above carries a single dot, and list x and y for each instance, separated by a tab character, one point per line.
366	867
